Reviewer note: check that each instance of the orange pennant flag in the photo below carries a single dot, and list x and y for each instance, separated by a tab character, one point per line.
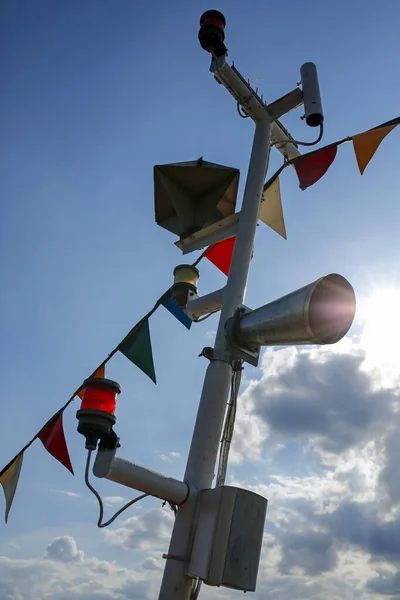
271	212
100	374
366	144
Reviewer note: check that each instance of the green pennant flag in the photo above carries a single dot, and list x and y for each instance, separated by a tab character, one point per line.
137	347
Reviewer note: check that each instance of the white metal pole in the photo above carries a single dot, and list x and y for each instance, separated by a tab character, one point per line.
176	585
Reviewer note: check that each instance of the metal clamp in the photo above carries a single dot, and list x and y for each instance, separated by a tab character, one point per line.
250	354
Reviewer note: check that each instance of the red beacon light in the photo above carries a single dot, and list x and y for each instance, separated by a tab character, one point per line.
96	415
212	32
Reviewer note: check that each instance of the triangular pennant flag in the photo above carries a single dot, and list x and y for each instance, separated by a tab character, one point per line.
53	439
100	374
220	254
271	208
137	347
366	144
313	166
9	481
174	309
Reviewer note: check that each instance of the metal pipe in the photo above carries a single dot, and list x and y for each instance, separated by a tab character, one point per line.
239	89
139	478
176	585
282	142
204	305
254	106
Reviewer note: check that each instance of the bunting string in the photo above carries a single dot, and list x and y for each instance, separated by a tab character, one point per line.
80	388
136	345
312	166
52	433
298	159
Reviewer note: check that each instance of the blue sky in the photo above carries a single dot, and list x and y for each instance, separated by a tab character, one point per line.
94	94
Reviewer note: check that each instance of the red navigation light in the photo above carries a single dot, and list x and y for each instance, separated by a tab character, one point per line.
101	394
212	32
96	415
213	17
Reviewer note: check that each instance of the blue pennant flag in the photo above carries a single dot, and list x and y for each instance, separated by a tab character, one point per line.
174	309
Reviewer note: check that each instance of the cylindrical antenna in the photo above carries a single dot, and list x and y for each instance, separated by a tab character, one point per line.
311	95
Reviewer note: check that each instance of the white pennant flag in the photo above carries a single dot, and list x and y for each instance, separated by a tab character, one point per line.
271	209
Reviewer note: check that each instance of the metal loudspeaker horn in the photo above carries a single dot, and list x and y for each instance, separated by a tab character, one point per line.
319	313
191	195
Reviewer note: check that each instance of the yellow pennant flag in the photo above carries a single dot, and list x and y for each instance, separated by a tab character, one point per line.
366	144
100	373
271	208
9	481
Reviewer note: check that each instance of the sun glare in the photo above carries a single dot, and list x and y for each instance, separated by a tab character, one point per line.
380	338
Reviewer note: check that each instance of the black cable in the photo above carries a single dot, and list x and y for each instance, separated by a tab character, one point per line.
100	501
321	133
229	424
206	317
243	114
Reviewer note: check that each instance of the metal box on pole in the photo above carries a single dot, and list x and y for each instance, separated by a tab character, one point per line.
228	537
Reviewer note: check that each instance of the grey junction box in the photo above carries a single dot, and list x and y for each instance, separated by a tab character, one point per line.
228	537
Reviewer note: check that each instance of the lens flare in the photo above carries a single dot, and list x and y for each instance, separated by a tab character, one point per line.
380	338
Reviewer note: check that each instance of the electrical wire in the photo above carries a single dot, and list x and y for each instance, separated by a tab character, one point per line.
206	317
319	138
100	501
243	114
229	424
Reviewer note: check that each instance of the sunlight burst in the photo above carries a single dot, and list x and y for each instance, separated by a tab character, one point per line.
380	316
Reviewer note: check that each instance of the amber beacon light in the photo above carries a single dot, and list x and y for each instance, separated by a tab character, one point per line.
185	283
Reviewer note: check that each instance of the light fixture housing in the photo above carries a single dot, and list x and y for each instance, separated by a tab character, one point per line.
212	32
96	415
185	283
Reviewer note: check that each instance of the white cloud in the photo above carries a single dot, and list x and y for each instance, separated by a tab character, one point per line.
170	456
318	435
149	531
64	549
66	493
65	574
386	583
14	545
151	563
338	522
112	500
250	431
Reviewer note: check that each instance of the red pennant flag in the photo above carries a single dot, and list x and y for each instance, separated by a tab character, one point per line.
220	254
312	167
53	438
